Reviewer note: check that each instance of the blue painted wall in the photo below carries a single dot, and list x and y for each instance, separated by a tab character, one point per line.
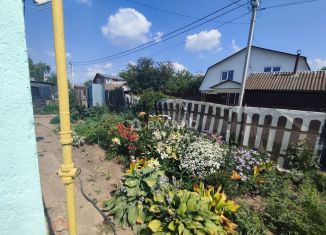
21	209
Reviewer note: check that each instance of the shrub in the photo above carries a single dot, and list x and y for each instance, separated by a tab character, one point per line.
203	157
249	221
55	120
51	108
296	211
300	157
128	204
185	212
148	100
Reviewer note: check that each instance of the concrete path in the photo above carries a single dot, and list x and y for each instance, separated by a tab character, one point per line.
98	175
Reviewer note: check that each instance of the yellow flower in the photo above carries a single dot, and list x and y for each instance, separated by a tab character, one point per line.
116	141
235	176
141	114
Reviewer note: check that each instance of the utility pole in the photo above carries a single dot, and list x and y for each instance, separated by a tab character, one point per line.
254	6
72	75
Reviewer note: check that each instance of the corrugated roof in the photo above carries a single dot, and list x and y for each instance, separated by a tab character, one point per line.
288	81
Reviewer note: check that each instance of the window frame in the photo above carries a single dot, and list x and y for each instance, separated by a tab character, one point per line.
227	72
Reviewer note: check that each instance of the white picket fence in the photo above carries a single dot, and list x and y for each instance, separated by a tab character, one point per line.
267	129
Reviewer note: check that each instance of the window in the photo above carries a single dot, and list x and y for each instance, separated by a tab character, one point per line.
272	69
227	75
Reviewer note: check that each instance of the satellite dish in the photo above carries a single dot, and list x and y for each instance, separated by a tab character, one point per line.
41	2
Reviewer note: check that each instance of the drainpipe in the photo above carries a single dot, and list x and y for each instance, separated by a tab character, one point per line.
297	61
67	171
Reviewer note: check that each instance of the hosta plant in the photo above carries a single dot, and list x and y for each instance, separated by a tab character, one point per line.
185	212
128	204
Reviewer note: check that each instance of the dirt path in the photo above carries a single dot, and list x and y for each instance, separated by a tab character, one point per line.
98	175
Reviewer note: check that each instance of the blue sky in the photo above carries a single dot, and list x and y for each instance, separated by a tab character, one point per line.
99	28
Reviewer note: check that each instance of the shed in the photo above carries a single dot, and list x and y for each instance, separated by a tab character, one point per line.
304	90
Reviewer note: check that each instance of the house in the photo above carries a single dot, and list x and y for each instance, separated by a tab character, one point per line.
222	81
304	90
111	82
42	93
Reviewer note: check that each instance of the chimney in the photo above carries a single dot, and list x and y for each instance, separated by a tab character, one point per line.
297	61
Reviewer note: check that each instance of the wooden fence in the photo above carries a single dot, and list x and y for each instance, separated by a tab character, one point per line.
266	129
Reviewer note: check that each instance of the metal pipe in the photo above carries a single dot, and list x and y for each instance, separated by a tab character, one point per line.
67	171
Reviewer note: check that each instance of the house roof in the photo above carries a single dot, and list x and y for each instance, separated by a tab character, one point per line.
262	48
288	81
224	82
108	77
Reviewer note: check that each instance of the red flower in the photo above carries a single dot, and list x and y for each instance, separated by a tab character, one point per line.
131	147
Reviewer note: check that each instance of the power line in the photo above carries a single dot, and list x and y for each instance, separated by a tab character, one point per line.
175	13
165	37
287	4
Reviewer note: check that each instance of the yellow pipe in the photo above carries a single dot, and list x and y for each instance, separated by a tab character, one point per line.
67	171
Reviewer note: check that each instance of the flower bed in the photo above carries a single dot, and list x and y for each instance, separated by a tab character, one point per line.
178	180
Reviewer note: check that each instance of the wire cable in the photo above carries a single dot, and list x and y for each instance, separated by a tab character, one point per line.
173	12
107	220
159	40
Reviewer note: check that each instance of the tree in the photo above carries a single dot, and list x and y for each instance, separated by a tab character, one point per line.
86	83
323	68
147	75
52	78
37	71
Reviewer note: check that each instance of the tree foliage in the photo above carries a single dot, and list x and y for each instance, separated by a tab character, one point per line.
37	71
147	74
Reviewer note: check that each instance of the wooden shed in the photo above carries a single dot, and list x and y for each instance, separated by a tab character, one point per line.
304	90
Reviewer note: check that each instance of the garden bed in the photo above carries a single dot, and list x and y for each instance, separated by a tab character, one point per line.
179	181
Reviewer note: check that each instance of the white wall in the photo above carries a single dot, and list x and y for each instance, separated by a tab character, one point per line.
259	60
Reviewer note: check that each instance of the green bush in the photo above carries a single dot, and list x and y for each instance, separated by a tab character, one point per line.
300	157
55	120
249	221
51	108
293	210
148	100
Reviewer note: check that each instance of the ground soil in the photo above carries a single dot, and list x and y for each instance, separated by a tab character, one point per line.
99	178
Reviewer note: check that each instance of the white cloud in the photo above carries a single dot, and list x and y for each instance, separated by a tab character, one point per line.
127	27
132	62
317	63
178	67
205	40
86	2
158	36
98	68
234	46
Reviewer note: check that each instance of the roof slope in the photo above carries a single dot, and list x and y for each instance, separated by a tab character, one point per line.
261	48
287	81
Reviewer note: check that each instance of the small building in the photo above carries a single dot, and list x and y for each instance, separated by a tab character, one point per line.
81	94
111	82
305	90
42	93
222	81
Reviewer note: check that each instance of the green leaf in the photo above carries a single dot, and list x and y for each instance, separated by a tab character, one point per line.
158	198
191	205
171	226
132	216
155	225
186	232
132	192
147	170
140	213
132	182
181	228
154	209
150	182
182	208
211	227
